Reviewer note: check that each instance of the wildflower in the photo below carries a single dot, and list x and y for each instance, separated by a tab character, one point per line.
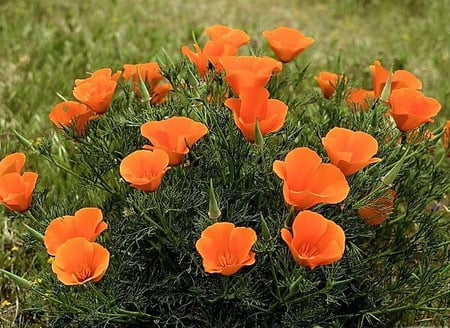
12	163
174	135
16	190
314	240
225	248
254	104
287	43
79	261
307	181
87	223
377	210
199	59
359	99
350	151
226	34
71	114
149	72
327	82
159	92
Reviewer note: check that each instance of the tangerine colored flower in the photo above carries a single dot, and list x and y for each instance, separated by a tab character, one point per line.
87	223
71	114
307	181
12	163
314	240
410	108
79	261
97	90
350	150
174	135
254	104
159	93
16	190
287	43
360	99
149	72
228	35
199	59
144	169
225	248
327	82
377	210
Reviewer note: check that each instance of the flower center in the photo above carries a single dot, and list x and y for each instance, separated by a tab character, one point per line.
227	259
83	273
307	250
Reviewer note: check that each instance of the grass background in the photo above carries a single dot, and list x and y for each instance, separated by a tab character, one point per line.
45	45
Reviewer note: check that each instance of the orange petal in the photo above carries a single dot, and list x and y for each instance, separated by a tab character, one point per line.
12	163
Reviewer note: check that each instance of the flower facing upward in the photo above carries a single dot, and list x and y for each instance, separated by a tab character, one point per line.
350	151
327	82
79	261
71	114
410	108
377	210
314	240
16	190
174	135
307	181
287	43
144	169
225	248
254	104
227	35
12	163
87	223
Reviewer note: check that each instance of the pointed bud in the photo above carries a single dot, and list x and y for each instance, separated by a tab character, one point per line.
386	93
389	177
24	141
265	229
145	96
214	211
19	281
35	234
259	140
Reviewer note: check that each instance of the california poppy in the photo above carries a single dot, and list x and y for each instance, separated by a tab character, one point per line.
287	43
12	163
174	135
71	114
225	248
359	99
327	82
16	190
350	150
158	94
314	240
254	104
79	261
377	210
410	108
307	181
199	59
150	73
87	223
228	35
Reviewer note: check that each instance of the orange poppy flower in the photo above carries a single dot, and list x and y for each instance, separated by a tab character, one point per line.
226	34
144	169
314	240
359	99
225	248
379	209
287	43
410	108
308	181
150	73
350	151
174	135
12	163
248	71
199	59
79	261
215	50
254	104
16	190
159	92
87	223
97	90
71	114
327	82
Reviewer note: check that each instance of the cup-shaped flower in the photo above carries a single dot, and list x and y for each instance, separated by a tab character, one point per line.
79	261
327	82
158	94
287	43
144	169
174	135
377	210
410	108
359	99
254	105
198	58
307	181
150	73
314	240
226	34
350	150
86	222
16	190
71	114
97	90
12	163
225	248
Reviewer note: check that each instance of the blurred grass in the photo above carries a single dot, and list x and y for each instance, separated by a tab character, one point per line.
47	44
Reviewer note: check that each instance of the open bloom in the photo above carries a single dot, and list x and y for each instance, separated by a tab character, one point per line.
79	261
174	135
410	108
350	151
198	58
227	35
71	114
16	190
12	163
287	43
314	240
359	99
225	248
87	223
254	104
377	210
97	90
307	181
327	82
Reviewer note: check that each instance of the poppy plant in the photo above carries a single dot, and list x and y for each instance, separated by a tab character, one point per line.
199	59
307	181
174	135
71	114
327	82
254	105
287	43
159	93
410	108
377	210
79	261
12	163
350	150
360	99
16	190
314	240
87	223
225	248
149	72
228	35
